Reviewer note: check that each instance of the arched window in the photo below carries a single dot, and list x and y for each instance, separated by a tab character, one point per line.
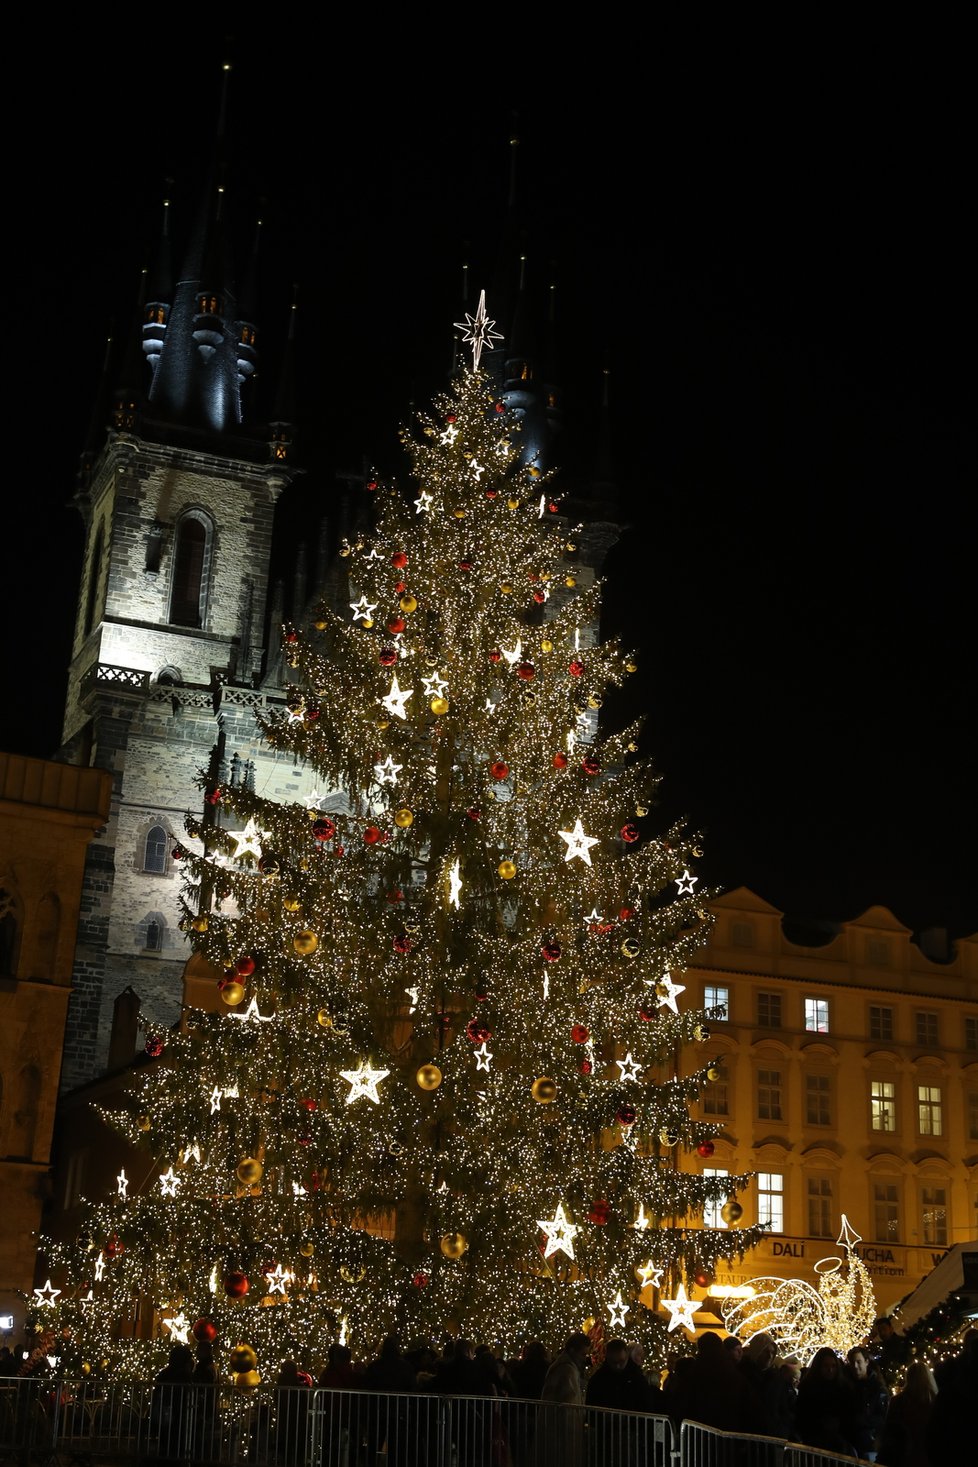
191	563
154	937
9	933
94	581
154	851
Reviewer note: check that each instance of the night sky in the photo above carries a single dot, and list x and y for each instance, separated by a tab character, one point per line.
777	271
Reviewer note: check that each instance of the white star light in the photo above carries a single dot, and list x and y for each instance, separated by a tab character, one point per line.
100	1268
46	1296
685	883
169	1182
477	331
482	1057
641	1222
630	1068
412	994
670	992
546	987
423	502
513	655
681	1311
362	609
298	1190
435	686
179	1327
277	1280
122	1185
451	432
251	1016
296	715
247	841
455	885
191	1151
477	469
215	1100
617	1310
490	706
396	700
649	1274
387	771
543	505
593	918
316	800
578	844
364	1082
560	1233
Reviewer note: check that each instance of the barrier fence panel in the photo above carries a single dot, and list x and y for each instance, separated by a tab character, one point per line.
705	1446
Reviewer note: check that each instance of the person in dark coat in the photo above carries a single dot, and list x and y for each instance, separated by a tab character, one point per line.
826	1405
904	1440
871	1401
169	1410
712	1389
951	1429
390	1421
775	1400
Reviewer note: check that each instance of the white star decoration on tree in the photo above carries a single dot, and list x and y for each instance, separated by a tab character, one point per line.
451	432
477	331
364	1082
362	610
424	501
46	1296
169	1182
191	1151
513	654
578	844
296	715
681	1311
630	1068
179	1327
667	992
387	771
685	883
247	841
617	1310
122	1185
560	1233
277	1280
482	1057
100	1268
215	1100
649	1273
435	686
396	700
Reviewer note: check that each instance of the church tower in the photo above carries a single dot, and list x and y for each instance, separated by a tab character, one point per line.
169	648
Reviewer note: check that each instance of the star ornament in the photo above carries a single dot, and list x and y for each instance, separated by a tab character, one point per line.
396	700
578	844
179	1328
387	771
630	1068
649	1273
617	1310
46	1296
434	686
477	331
247	841
251	1016
363	1082
681	1311
362	609
169	1183
122	1185
482	1057
686	882
560	1233
454	885
277	1280
667	992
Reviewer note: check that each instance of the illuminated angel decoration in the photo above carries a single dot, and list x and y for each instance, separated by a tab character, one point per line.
801	1319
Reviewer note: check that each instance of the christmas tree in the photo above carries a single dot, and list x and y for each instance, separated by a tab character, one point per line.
449	1084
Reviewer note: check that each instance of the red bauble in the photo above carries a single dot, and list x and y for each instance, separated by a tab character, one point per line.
214	798
499	769
236	1284
114	1247
480	996
500	407
309	1104
245	966
478	1032
576	668
396	625
705	1148
292	636
495	655
647	1015
703	1277
395	896
178	853
474	813
323	829
540	596
580	1034
550	952
420	1280
590	765
204	1330
600	1212
154	1046
372	485
490	493
465	565
403	943
626	914
630	833
399	559
552	506
585	1067
371	835
625	1115
560	760
311	715
526	671
387	656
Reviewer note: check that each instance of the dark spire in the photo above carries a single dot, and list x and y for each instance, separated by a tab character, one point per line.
159	295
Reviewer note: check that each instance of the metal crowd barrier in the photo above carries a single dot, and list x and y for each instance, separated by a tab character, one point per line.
52	1423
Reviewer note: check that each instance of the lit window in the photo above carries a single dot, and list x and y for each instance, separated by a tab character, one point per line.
769	1095
927	1028
770	1200
717	997
929	1118
886	1212
711	1211
154	853
880	1022
716	1096
769	1010
817	1015
882	1102
933	1215
817	1098
971	1031
821	1213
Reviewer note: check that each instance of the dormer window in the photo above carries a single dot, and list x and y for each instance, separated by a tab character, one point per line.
209	305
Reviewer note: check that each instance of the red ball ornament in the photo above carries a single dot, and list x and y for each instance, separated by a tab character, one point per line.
311	715
647	1015
154	1046
371	835
585	1067
576	668
465	565
292	636
499	769
310	1104
387	656
495	655
399	560
490	493
580	1034
626	914
372	485
205	1331
420	1280
625	1115
474	813
214	798
705	1149
500	407
403	943
236	1284
630	833
478	1032
396	625
178	853
114	1247
245	966
703	1277
395	896
480	996
560	760
600	1212
400	587
550	952
552	506
323	829
526	671
590	765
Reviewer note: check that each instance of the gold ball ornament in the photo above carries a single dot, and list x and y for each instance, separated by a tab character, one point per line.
594	700
368	622
320	626
641	810
459	513
543	1090
143	1123
668	1138
506	588
403	818
382	721
512	504
249	1171
507	870
713	1073
352	1275
429	1077
305	942
248	1378
324	1019
232	993
200	924
453	1245
570	580
731	1211
439	705
546	645
630	947
307	1249
292	903
408	604
631	667
243	1358
587	1325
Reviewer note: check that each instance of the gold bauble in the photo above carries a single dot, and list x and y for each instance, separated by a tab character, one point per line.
292	903
587	1325
713	1073
570	580
143	1123
631	667
403	818
232	993
86	1368
368	622
632	747
459	514
200	924
546	645
247	1378
429	1077
306	941
630	947
307	1249
543	1090
507	870
731	1211
320	626
408	604
512	503
439	705
668	1138
249	1171
641	810
570	547
382	721
243	1358
506	588
453	1245
324	1019
595	700
352	1274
